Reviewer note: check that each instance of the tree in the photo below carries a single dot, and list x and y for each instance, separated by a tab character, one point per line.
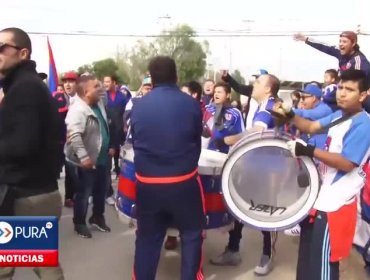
105	67
239	78
85	68
139	58
131	66
190	55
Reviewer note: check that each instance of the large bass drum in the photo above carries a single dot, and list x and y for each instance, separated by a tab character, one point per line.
264	186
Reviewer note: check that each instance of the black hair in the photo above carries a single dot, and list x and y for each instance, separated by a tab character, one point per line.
113	77
20	39
194	88
333	73
297	95
162	69
224	85
358	76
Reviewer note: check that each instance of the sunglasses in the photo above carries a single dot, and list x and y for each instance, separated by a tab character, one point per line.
3	46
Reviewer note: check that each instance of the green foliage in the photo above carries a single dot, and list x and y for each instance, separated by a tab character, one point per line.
131	66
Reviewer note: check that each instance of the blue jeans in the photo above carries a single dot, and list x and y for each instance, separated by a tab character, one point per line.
89	182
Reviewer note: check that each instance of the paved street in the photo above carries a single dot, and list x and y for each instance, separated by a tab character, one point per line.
109	256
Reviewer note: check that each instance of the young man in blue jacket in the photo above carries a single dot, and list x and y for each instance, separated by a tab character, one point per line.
167	146
348	52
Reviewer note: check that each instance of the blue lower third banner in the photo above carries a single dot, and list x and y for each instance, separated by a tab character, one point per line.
28	241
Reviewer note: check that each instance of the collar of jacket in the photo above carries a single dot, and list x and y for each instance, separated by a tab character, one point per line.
165	85
26	66
78	101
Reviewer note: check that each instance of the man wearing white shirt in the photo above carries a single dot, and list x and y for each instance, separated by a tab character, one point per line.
327	234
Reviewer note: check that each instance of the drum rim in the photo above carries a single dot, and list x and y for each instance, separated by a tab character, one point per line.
257	143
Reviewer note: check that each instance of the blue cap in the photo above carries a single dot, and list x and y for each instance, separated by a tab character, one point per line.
313	89
260	72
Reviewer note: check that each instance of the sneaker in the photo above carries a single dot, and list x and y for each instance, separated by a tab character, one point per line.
264	267
82	230
171	243
294	231
68	203
110	200
227	258
99	223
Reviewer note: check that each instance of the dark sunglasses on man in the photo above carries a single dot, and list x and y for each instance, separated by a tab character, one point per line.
4	46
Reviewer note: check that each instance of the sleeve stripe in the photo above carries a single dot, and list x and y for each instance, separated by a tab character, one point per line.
357	62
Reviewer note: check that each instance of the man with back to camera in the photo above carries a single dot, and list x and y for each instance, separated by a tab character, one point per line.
29	140
166	162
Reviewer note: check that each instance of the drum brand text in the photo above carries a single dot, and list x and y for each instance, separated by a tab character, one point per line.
267	208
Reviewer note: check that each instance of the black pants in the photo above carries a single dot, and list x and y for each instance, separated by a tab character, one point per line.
314	251
235	235
69	182
117	168
90	182
160	206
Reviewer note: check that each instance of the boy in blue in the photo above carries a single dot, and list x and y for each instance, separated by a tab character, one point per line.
265	91
330	89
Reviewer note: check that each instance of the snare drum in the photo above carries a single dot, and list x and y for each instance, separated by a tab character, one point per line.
210	167
126	194
264	186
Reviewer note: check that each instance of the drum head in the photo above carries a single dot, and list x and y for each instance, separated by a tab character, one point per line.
264	186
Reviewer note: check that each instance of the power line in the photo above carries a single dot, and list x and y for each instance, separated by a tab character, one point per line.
220	34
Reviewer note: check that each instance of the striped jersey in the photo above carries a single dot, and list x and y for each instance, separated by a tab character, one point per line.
351	139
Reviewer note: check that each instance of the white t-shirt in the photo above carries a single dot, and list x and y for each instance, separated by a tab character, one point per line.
351	139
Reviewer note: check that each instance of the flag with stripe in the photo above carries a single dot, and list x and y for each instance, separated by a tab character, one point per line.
53	74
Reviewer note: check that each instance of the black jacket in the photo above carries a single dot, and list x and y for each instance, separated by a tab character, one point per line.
29	137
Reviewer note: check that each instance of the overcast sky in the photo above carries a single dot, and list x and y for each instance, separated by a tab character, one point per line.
279	55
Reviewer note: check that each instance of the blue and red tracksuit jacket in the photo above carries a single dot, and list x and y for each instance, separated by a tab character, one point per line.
166	128
355	61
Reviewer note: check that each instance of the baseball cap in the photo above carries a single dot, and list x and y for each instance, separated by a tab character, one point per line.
260	72
350	35
71	75
312	89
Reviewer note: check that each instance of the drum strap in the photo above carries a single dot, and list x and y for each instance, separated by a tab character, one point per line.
166	180
326	128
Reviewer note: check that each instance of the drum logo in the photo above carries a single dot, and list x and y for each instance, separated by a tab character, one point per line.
267	208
